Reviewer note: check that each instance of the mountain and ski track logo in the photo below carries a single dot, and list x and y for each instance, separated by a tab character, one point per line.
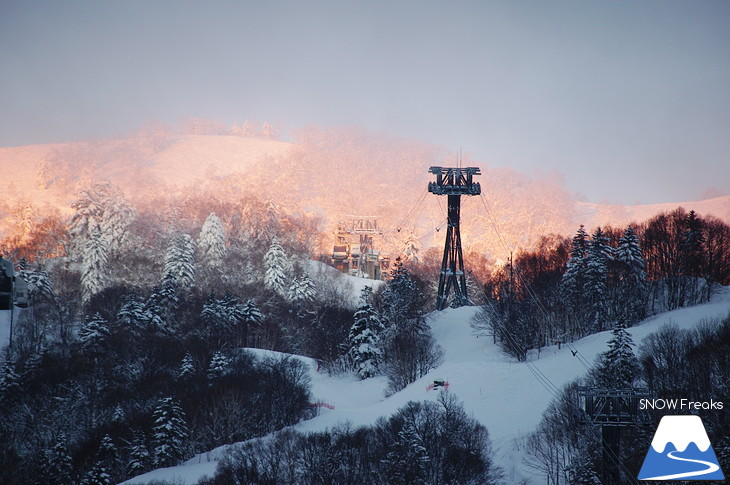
681	450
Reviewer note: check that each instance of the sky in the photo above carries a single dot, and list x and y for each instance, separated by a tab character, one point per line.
629	100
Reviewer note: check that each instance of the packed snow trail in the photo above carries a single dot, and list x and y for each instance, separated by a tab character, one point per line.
498	391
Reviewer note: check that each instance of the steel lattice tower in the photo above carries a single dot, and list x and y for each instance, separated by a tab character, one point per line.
453	182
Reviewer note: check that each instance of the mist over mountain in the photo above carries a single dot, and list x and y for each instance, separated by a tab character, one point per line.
326	173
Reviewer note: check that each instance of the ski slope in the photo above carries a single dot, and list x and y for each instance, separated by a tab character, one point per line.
499	392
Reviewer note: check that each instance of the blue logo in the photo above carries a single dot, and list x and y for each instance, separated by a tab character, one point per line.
681	450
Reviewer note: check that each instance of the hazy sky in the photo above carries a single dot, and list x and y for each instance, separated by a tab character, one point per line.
630	100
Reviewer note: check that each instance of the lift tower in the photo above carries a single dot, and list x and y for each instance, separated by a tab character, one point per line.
453	182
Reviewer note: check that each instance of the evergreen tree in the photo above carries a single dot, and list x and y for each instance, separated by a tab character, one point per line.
573	282
618	367
251	316
60	466
161	306
633	292
411	247
139	455
302	290
692	261
132	315
88	211
94	333
103	209
39	283
271	223
187	367
180	262
401	298
98	475
119	417
364	340
232	309
278	268
692	247
108	456
9	382
213	314
212	243
218	366
94	267
407	460
116	217
169	432
596	276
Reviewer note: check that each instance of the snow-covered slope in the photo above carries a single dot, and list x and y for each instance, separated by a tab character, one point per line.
501	393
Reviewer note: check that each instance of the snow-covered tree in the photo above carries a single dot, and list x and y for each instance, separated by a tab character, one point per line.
407	459
278	269
160	307
410	248
116	217
98	475
39	283
268	131
60	466
618	367
364	338
596	277
180	262
212	244
139	455
251	312
213	313
251	317
218	366
94	333
187	367
169	432
108	456
94	266
401	297
88	210
633	292
271	223
9	382
133	315
573	282
101	208
302	290
119	417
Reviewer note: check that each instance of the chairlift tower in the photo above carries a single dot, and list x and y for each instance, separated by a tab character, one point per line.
611	410
453	182
354	251
13	292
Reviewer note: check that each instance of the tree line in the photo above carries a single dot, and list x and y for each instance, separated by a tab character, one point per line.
569	288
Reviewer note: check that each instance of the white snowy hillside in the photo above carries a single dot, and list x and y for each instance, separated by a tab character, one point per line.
501	393
593	215
346	286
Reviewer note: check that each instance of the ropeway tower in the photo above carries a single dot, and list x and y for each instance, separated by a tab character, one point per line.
453	182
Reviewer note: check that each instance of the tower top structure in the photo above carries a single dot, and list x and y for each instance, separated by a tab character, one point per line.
455	181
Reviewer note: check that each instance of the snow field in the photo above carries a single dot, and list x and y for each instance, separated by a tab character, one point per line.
498	391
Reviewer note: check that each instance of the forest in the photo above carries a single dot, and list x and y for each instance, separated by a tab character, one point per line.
132	354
